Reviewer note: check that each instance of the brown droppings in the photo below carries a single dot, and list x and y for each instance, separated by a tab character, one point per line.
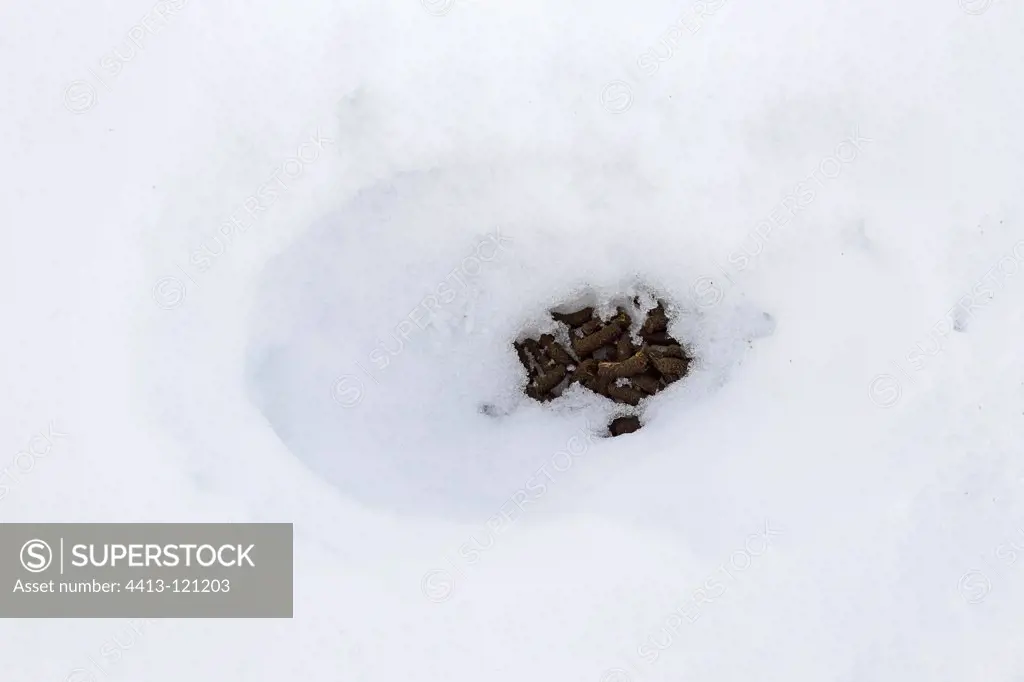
624	394
524	356
598	385
588	344
646	383
623	425
673	351
621	318
587	328
657	321
627	368
574	319
624	348
670	368
533	348
556	350
603	357
547	381
586	369
657	338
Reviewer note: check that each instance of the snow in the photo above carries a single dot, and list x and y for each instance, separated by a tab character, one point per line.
211	239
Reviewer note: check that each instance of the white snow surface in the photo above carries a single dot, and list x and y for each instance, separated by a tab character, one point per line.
835	494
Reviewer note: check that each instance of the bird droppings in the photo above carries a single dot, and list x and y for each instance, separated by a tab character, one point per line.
620	358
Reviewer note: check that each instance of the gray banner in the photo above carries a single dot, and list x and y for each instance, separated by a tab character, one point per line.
146	570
